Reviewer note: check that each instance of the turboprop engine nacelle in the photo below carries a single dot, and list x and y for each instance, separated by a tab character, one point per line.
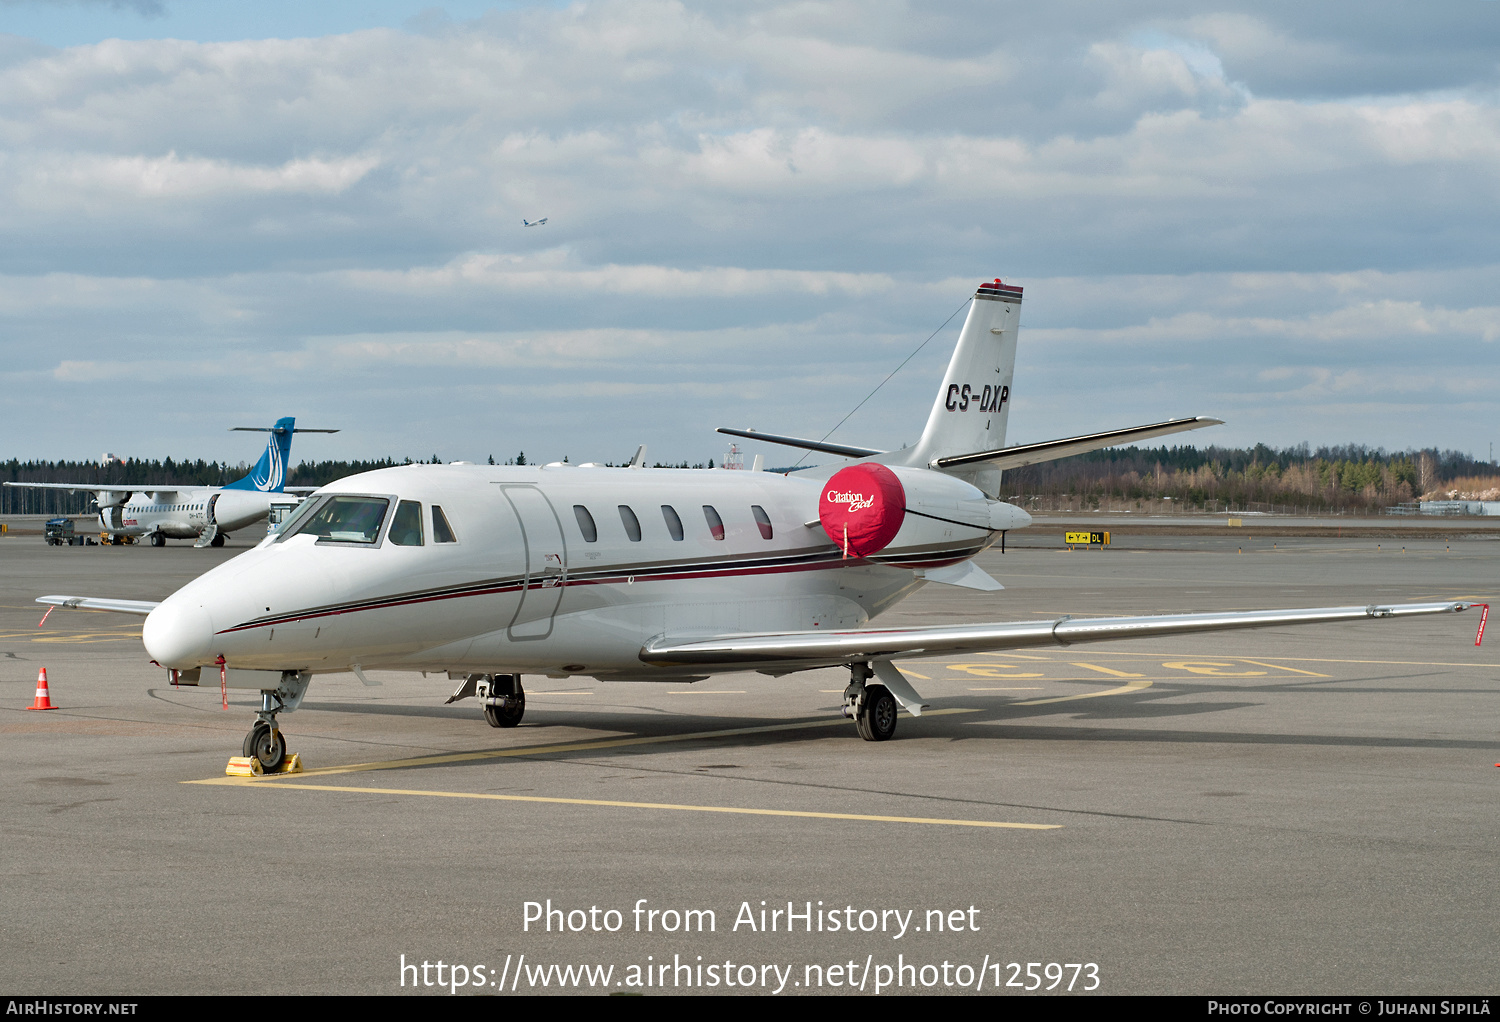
235	509
865	508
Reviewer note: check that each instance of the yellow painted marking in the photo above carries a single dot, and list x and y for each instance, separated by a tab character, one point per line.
1031	688
1212	668
586	745
709	692
1296	659
736	810
988	671
86	637
1275	667
1020	656
914	674
1106	670
1134	686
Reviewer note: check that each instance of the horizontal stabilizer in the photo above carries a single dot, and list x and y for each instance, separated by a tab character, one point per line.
1052	450
816	648
843	450
142	607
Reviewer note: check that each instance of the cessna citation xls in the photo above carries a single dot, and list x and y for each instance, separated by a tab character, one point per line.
207	514
634	574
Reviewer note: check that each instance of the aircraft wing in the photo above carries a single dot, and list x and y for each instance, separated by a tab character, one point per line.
141	607
1052	450
299	489
817	648
100	487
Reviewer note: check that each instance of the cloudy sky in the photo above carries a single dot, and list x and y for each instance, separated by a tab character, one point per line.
1285	215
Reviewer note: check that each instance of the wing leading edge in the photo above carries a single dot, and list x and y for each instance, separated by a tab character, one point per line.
823	648
141	607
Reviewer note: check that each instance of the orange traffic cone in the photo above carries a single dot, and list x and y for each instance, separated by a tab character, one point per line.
43	697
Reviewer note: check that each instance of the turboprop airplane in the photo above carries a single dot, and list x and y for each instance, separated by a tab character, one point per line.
488	573
207	514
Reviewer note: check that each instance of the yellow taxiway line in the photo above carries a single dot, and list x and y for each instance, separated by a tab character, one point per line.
609	803
1131	686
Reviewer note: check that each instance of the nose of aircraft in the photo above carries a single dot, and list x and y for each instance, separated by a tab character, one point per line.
179	634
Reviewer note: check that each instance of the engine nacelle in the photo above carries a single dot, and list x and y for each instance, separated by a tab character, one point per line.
862	508
235	509
866	508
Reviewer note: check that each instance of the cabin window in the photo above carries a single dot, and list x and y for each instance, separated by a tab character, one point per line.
674	524
342	519
715	523
586	524
406	526
762	519
631	522
441	532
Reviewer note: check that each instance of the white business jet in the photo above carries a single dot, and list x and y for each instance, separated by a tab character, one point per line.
488	573
207	514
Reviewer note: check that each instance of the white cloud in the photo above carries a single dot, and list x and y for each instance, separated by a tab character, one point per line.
786	192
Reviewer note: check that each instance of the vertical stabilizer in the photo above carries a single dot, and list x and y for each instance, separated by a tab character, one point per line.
973	403
269	473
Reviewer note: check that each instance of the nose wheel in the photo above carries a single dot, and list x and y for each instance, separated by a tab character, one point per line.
266	744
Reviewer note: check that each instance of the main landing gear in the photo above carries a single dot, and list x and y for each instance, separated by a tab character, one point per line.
504	698
157	539
871	705
505	702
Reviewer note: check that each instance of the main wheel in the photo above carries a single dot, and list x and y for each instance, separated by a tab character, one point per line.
218	540
877	717
157	539
508	715
270	748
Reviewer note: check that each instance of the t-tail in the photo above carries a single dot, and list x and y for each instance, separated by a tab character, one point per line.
269	473
965	433
973	403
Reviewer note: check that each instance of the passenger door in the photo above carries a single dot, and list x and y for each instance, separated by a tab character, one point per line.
546	562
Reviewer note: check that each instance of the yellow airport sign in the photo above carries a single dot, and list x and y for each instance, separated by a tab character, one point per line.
1086	538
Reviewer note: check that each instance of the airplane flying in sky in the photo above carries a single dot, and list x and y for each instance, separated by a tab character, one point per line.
528	223
207	514
487	573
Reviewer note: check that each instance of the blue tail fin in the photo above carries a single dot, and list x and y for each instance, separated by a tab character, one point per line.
269	473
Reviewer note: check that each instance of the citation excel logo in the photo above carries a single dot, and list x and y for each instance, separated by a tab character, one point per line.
856	501
990	399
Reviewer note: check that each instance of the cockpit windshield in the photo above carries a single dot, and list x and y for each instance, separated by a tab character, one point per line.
343	519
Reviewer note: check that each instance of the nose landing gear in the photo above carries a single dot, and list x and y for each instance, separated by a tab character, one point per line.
266	744
265	741
872	706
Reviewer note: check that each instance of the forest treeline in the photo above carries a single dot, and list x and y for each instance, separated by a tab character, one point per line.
1352	478
1349	479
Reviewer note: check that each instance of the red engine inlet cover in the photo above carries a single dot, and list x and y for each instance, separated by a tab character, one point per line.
862	508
